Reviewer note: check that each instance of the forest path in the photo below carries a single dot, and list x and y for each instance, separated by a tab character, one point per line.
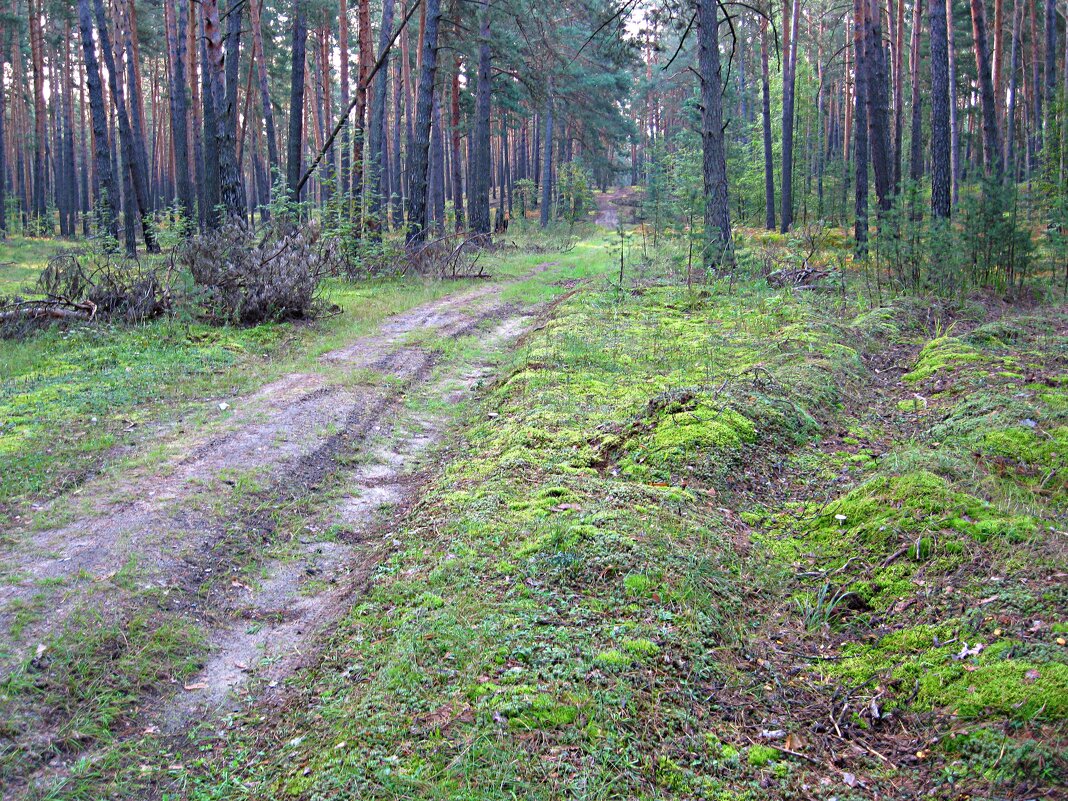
253	536
607	206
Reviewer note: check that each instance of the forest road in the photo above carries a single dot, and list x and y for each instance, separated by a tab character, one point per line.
255	531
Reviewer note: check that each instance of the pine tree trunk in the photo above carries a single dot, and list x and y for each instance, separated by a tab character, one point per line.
789	74
547	161
916	156
860	126
378	186
396	177
71	187
457	175
1051	70
437	171
478	196
877	94
1014	67
719	249
769	165
991	144
230	186
954	126
941	140
175	21
108	193
419	156
295	145
3	145
255	7
40	197
138	179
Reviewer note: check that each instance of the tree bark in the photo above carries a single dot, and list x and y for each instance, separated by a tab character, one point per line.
457	173
138	179
419	157
941	141
789	79
547	161
108	194
377	138
719	242
40	196
220	75
991	143
295	145
954	127
175	21
916	155
478	194
877	94
860	127
769	165
1014	67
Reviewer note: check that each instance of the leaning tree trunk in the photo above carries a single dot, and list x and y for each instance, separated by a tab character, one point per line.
789	82
138	179
941	141
769	165
991	142
478	196
295	146
418	159
719	243
108	193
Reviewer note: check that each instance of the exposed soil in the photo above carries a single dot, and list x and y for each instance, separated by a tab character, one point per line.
607	206
180	534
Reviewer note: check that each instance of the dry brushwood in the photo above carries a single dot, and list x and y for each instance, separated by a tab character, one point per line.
804	277
85	285
252	275
450	256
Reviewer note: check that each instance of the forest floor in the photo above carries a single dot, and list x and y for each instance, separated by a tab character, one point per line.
546	537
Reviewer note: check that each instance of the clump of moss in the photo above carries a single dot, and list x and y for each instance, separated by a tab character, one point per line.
940	355
1009	687
641	647
683	434
761	755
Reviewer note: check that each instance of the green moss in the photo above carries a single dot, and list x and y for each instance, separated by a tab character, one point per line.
941	355
637	584
683	434
761	755
1012	688
614	659
641	648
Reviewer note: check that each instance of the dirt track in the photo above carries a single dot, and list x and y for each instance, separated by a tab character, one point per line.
176	535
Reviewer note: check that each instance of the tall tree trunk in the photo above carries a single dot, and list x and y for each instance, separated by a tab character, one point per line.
1014	67
719	242
137	118
40	198
359	132
478	195
860	126
1051	69
916	155
999	48
108	195
991	143
457	174
345	178
377	139
255	7
940	112
418	159
71	187
769	166
789	76
295	145
396	177
547	161
138	179
954	126
175	17
436	189
231	190
877	93
3	145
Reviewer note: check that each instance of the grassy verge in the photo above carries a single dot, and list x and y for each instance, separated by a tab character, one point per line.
696	546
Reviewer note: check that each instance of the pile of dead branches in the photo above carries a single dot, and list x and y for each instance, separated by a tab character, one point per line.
803	277
450	256
84	285
253	275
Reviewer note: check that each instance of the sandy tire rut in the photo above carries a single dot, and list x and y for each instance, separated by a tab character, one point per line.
347	438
